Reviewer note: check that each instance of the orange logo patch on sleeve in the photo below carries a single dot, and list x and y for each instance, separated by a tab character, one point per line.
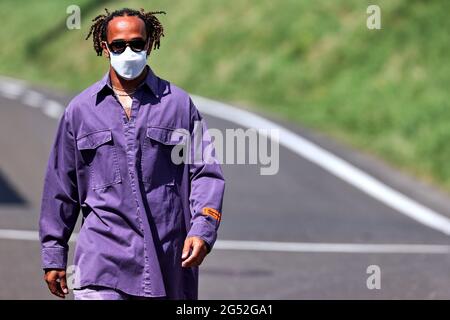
212	212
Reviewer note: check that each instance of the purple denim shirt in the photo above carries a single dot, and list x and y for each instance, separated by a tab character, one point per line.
137	205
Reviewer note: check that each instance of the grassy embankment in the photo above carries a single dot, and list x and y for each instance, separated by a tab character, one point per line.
311	62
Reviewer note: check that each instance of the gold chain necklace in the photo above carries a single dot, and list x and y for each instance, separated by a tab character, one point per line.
124	95
127	93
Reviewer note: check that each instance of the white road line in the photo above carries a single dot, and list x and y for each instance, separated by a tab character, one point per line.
330	247
299	247
329	162
12	88
30	235
16	89
18	234
33	99
53	109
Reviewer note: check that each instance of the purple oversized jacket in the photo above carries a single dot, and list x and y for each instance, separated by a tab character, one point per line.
138	206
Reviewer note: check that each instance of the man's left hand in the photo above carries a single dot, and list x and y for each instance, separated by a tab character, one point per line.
199	252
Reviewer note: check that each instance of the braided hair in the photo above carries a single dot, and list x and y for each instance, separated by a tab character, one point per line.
98	29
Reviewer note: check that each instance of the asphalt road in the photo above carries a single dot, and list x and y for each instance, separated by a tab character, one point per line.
303	203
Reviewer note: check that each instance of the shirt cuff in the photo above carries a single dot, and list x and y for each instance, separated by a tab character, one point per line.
54	258
205	231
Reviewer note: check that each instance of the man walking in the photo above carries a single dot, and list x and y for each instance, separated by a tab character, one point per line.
147	221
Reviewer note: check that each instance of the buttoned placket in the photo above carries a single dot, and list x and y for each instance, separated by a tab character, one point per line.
129	126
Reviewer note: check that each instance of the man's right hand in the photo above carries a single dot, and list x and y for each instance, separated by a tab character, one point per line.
56	281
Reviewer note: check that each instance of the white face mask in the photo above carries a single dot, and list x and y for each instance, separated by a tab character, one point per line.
128	64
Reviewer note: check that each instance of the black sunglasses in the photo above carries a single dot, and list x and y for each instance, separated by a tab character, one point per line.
119	46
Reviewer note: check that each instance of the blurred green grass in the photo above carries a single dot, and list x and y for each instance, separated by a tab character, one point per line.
311	62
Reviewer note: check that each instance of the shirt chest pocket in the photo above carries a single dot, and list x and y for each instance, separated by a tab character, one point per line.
100	155
162	149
